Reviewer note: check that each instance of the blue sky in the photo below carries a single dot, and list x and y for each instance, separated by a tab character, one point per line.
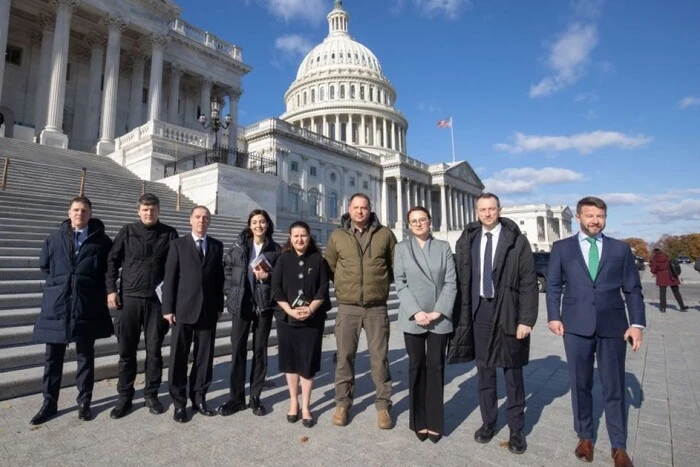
551	99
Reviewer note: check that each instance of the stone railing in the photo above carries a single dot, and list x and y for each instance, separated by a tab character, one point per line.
400	158
164	130
285	127
207	39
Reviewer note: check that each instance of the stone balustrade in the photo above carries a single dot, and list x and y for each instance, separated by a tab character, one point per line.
207	39
164	130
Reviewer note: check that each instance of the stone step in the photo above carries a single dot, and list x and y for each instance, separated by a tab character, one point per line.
18	317
20	242
19	262
28	381
19	251
20	286
20	274
19	300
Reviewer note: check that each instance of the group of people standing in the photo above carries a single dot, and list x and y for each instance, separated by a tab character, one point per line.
479	305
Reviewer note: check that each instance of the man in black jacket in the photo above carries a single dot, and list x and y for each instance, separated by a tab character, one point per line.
140	249
499	297
193	300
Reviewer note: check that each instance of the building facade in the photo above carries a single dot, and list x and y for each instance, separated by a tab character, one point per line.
129	79
542	224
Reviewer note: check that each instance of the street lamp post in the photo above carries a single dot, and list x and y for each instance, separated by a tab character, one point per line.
215	124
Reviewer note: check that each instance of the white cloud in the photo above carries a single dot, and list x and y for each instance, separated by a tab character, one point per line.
584	143
618	199
312	11
686	210
449	8
586	97
586	8
526	179
293	45
688	101
568	58
591	115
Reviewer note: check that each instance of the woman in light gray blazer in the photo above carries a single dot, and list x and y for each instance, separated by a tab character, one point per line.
426	283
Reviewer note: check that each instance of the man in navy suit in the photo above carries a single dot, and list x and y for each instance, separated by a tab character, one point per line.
596	275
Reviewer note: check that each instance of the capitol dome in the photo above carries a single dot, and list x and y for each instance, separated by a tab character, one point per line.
340	92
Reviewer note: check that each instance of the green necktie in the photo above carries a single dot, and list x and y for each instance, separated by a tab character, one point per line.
593	257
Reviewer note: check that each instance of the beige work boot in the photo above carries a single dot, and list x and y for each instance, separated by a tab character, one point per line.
384	420
340	417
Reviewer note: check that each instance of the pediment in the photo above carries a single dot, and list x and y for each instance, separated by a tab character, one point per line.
463	171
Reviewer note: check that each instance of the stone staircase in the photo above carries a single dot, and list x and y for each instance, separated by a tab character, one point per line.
40	183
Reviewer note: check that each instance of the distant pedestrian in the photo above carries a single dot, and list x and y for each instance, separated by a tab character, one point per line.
660	265
74	304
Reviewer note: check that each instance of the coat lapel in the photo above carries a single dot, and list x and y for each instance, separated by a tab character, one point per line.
604	255
577	253
419	258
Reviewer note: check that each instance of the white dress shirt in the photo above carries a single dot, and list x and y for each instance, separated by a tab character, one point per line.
204	243
495	233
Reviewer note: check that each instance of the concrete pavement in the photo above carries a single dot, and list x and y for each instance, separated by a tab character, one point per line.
663	396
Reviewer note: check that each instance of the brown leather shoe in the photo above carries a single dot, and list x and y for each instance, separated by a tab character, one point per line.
340	417
620	458
384	420
584	450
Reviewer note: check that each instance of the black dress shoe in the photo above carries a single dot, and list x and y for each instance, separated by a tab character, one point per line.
230	407
154	405
684	308
517	443
121	408
484	434
180	415
84	412
421	436
203	409
662	310
434	437
308	422
293	418
45	413
256	405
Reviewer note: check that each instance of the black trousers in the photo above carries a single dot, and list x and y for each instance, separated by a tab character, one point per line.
53	370
426	380
240	328
201	372
138	313
676	293
515	386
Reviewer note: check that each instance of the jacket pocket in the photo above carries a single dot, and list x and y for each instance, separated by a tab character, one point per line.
54	302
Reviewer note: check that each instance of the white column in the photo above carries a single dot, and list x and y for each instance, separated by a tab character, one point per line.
429	199
4	27
115	25
384	140
205	97
416	190
385	202
463	210
94	95
393	136
337	127
52	134
374	131
408	197
443	208
325	131
174	93
47	24
155	84
363	135
399	204
234	94
136	98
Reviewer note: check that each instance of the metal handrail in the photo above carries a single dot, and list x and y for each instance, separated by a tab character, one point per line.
222	155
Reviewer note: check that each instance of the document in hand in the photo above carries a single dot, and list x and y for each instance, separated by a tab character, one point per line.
261	263
300	301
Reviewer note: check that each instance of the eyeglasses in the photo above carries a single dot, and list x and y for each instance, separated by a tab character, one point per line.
422	220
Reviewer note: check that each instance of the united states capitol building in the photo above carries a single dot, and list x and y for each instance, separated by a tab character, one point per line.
129	79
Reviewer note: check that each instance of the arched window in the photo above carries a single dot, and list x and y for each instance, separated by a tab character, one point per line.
332	92
332	206
371	94
322	94
342	91
352	91
362	92
294	198
313	96
298	100
314	197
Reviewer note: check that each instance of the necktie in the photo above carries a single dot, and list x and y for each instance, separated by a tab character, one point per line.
487	276
593	257
77	242
200	252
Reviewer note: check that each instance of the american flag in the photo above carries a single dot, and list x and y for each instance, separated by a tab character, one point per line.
445	123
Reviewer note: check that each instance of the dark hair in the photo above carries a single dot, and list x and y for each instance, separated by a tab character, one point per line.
487	195
148	199
80	199
591	201
416	209
247	234
312	248
200	207
360	195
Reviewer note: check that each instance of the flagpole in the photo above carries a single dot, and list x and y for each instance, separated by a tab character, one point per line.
452	135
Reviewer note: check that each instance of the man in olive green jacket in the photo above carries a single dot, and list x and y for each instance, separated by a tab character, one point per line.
361	256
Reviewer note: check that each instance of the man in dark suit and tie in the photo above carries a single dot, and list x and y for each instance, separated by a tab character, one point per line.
596	275
498	289
193	300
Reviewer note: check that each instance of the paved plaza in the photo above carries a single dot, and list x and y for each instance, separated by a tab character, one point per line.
663	393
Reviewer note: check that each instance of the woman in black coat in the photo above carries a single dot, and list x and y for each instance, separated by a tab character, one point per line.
300	288
247	268
74	304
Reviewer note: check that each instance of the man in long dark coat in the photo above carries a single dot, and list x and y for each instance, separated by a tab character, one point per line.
497	308
74	305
